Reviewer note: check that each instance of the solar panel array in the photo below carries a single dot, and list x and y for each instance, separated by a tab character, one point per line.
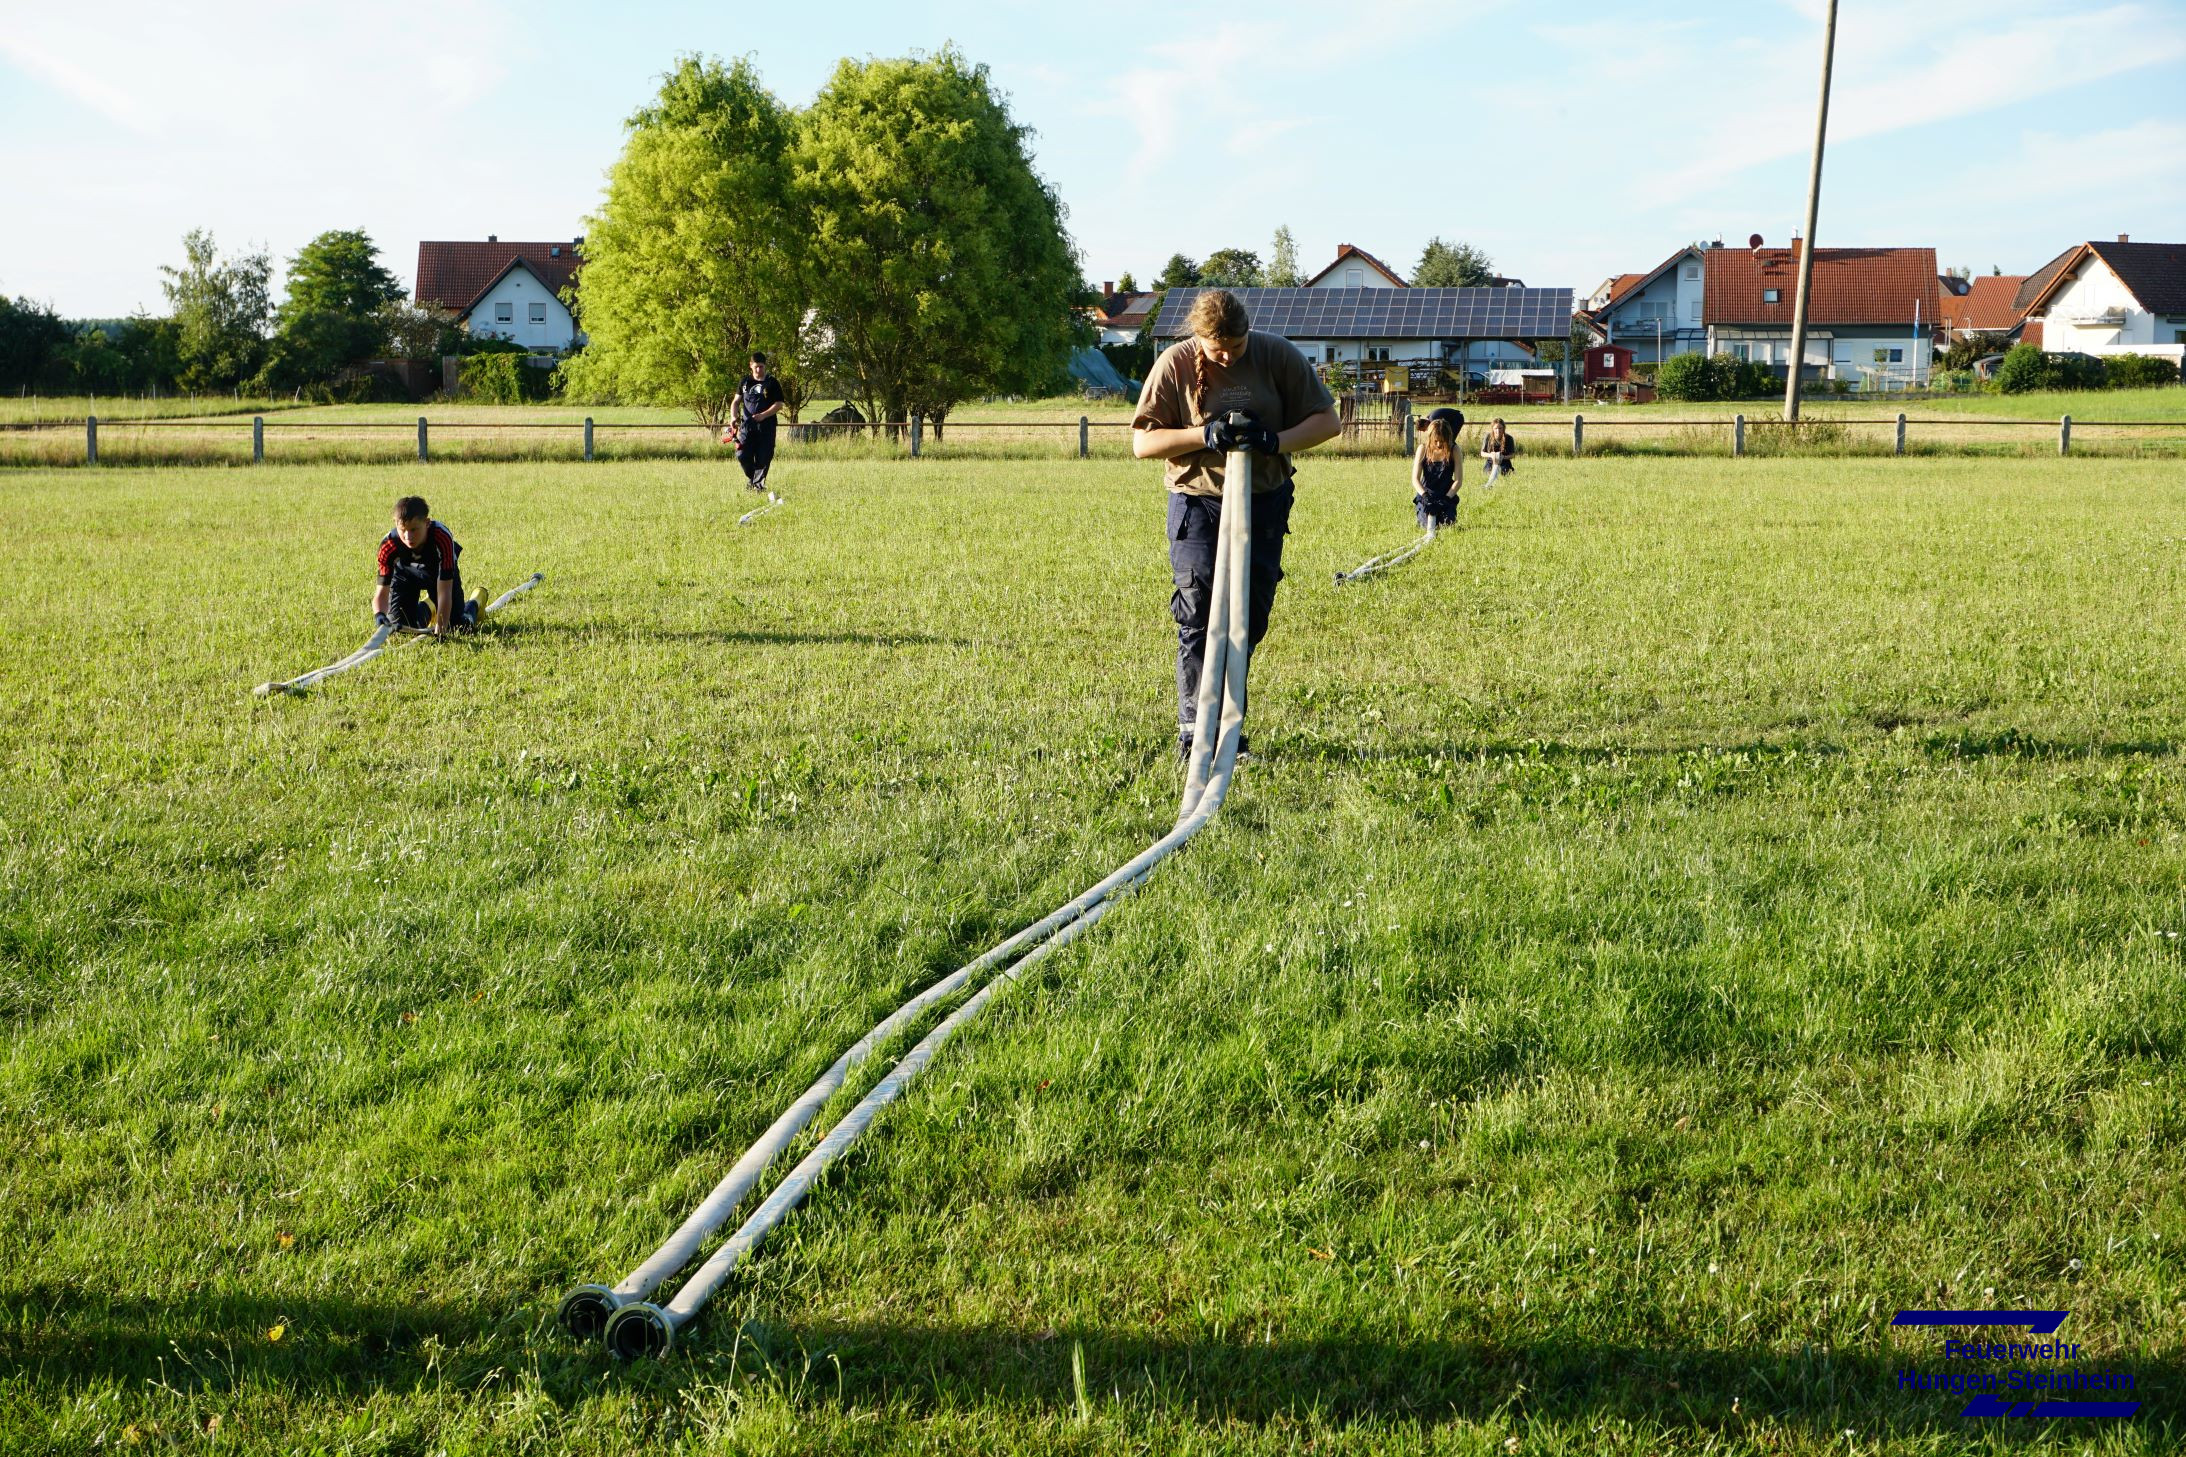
1390	313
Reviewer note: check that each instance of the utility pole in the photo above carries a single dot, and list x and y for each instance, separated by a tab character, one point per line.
1813	206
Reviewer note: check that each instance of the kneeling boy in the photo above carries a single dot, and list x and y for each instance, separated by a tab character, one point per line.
420	585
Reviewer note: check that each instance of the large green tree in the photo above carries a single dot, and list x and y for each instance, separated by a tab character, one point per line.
693	259
329	322
220	311
31	336
1231	268
1283	271
338	272
1452	265
1179	272
939	268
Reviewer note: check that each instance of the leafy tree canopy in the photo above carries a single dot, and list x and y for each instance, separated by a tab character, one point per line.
338	272
939	268
1178	272
30	335
1283	270
220	311
1452	265
1230	268
692	260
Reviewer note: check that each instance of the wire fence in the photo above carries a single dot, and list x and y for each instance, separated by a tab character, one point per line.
262	441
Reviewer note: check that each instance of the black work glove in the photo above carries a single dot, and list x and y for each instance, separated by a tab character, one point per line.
383	619
1259	439
1220	434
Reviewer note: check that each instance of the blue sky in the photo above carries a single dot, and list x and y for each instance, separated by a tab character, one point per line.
1998	131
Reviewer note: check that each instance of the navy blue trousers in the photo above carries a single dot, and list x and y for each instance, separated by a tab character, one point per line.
1194	523
756	453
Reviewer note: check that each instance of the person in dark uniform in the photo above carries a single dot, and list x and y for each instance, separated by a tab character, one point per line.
758	401
1181	420
420	584
1438	471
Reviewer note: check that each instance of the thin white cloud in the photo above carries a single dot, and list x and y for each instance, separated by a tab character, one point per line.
113	102
1901	66
249	72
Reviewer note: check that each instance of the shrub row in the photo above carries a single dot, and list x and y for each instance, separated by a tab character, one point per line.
2026	367
1714	377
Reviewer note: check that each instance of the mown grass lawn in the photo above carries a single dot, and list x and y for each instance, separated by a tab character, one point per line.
1683	917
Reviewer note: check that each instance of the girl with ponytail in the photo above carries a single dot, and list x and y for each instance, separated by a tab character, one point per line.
1223	366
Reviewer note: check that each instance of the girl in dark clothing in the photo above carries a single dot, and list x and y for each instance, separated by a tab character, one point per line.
1438	472
1496	450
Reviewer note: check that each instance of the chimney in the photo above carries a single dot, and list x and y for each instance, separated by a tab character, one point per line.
2125	237
493	237
1108	288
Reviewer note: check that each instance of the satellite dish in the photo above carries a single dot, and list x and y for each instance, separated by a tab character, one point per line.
1754	241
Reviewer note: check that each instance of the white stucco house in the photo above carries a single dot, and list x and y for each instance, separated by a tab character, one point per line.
1356	268
511	291
1658	313
2111	298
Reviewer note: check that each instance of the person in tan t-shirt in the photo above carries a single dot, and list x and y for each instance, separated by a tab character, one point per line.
1181	420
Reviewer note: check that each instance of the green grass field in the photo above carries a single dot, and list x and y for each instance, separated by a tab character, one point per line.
1683	917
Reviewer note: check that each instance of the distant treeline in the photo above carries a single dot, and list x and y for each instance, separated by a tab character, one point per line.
223	332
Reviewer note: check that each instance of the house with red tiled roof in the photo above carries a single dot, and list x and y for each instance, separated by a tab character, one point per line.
511	291
1608	289
1356	268
1985	307
1120	316
1870	311
2111	298
1657	313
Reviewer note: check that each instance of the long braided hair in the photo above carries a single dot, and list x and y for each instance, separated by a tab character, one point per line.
1216	314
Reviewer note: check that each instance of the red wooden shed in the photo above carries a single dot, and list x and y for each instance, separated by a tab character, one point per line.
1608	362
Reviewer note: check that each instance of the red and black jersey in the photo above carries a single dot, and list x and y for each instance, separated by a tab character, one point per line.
431	560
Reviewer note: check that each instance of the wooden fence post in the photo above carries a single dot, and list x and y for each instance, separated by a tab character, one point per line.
1578	436
588	437
90	440
2064	436
918	433
1738	435
257	440
1085	434
421	439
1901	434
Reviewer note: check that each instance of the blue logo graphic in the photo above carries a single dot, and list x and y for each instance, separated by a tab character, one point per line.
2016	1392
